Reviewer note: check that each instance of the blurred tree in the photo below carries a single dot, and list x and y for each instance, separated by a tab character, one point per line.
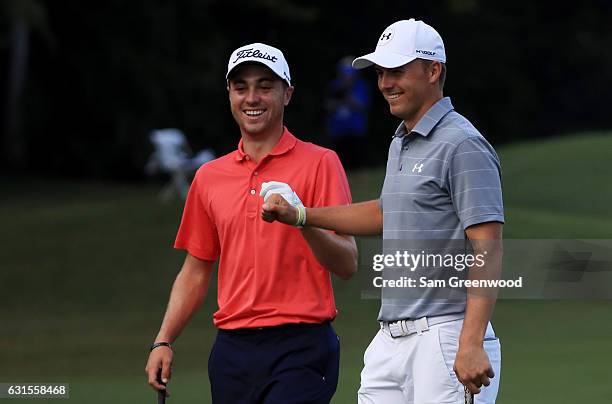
21	16
102	75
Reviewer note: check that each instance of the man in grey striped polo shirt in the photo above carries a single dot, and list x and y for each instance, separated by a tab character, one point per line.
442	191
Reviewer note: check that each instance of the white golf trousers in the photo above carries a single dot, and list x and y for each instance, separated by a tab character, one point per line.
418	369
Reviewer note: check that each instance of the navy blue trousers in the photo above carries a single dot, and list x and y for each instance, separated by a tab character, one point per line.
288	364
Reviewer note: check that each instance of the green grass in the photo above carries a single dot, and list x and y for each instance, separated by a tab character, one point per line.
558	187
86	270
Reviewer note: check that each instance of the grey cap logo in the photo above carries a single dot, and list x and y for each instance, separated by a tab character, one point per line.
425	52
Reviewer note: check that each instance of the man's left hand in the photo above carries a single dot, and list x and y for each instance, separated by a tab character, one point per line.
277	208
280	203
472	367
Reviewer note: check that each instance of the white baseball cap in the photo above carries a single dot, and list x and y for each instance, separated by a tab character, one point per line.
260	53
401	43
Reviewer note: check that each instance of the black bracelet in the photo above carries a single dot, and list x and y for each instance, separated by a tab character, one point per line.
158	344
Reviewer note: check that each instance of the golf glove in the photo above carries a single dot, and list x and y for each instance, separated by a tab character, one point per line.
284	190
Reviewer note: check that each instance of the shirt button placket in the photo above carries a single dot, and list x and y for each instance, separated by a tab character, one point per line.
403	148
253	199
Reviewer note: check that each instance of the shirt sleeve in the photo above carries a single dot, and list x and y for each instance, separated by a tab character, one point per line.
474	182
197	233
331	184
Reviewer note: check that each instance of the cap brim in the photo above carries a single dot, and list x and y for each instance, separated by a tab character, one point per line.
388	60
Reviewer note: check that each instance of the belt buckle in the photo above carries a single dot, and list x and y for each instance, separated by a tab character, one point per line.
398	329
402	328
421	324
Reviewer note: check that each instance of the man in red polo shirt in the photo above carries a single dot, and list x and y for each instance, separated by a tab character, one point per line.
275	343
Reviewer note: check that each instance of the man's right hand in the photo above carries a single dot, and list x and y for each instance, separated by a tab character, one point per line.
159	358
188	293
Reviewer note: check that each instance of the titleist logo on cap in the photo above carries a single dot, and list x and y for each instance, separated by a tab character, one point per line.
251	53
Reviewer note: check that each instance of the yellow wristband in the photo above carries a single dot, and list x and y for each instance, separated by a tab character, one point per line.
301	218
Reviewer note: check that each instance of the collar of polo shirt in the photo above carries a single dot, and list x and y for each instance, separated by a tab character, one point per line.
428	121
286	143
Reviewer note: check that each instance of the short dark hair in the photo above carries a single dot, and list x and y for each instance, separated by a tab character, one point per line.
427	64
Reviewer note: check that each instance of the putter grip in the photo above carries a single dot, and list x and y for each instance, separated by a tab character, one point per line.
468	396
161	394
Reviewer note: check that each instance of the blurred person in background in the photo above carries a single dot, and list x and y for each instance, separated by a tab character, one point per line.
347	102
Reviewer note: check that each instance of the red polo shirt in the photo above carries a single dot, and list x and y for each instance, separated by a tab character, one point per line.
267	273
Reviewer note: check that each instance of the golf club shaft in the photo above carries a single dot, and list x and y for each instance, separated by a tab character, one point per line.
468	396
161	394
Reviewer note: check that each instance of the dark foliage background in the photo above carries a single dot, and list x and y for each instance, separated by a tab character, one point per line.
100	75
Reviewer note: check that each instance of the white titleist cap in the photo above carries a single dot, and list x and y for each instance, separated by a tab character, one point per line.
401	43
260	53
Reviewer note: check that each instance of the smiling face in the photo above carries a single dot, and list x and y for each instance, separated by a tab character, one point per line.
410	89
258	98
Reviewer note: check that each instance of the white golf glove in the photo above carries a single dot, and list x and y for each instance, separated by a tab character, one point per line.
284	190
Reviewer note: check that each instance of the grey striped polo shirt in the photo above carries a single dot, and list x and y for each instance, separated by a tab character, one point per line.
441	178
